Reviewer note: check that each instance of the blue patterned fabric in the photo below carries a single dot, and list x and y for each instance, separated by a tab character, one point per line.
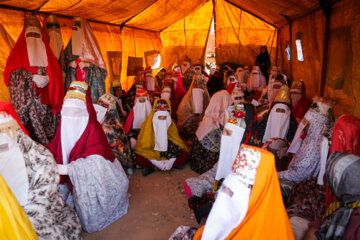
212	140
306	162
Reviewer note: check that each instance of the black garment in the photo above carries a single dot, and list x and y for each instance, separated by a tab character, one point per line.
263	61
215	83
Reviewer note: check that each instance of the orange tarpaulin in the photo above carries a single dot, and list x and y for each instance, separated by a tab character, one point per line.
239	35
187	37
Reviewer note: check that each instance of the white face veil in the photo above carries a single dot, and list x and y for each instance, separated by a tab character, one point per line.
231	138
273	90
295	95
197	100
142	110
74	119
232	201
161	122
297	140
254	80
35	46
55	41
150	82
12	164
240	75
166	93
278	122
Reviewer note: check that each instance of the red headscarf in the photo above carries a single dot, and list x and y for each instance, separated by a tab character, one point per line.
303	105
345	139
9	109
92	141
53	93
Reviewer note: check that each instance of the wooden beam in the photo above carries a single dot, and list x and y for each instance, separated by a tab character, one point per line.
214	14
326	6
277	46
235	5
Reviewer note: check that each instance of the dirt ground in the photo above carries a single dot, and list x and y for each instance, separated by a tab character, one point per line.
158	205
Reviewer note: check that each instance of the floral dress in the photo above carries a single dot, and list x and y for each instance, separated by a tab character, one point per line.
45	208
37	118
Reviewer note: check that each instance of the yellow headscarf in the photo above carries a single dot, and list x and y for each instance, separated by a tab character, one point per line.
14	222
186	109
146	139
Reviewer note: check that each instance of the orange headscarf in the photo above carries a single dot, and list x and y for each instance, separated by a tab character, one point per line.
266	217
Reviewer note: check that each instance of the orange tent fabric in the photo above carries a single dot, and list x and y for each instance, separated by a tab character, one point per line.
239	35
266	217
187	37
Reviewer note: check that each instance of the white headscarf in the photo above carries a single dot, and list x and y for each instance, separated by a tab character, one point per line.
240	75
278	122
215	113
36	49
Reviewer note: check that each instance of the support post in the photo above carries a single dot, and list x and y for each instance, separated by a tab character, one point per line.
326	6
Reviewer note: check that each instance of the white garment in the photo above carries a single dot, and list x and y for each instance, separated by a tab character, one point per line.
55	41
13	169
272	92
297	140
231	204
150	82
229	209
197	100
41	81
166	93
100	112
253	82
278	123
229	147
324	151
160	130
163	165
36	49
141	112
74	120
240	75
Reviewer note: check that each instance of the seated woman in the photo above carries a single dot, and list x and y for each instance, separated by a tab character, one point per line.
159	145
306	162
31	173
341	219
299	101
231	138
248	204
138	114
345	139
279	123
206	147
96	180
115	134
192	107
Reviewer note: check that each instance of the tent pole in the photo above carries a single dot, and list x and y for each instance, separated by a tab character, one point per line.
214	14
206	43
327	12
291	52
277	47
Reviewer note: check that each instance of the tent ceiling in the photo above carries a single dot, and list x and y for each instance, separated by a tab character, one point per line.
158	14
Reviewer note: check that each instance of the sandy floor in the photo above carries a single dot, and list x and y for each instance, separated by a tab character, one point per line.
158	205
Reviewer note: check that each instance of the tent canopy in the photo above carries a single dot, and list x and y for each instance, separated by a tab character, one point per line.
159	14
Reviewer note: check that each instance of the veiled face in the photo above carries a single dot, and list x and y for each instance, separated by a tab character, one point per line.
185	66
161	75
197	69
232	79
